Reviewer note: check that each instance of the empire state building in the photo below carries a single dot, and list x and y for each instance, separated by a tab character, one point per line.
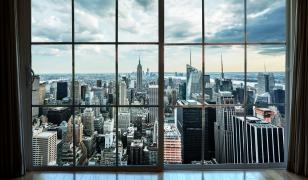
139	76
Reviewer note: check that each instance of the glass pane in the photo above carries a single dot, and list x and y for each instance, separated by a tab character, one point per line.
266	20
224	20
138	20
95	75
138	127
95	136
183	21
53	66
52	136
138	75
183	74
266	74
95	20
224	74
51	20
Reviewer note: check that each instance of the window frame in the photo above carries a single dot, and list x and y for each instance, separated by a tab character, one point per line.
161	44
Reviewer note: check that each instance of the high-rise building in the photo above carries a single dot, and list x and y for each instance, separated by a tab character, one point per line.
189	123
35	95
153	100
264	144
84	89
194	81
99	83
139	77
279	99
182	91
136	152
123	96
150	154
44	145
266	82
61	90
123	121
88	121
42	93
99	124
77	90
172	145
223	128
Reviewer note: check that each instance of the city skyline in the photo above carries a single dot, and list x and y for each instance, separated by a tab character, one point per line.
100	59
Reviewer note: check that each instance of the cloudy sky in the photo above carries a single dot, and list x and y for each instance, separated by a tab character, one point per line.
138	22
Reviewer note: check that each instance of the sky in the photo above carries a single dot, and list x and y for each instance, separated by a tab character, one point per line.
138	22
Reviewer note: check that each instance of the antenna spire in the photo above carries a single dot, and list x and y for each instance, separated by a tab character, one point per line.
222	67
139	59
190	56
264	67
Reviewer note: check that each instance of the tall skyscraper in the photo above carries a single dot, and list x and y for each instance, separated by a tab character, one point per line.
194	81
44	145
88	121
223	128
189	123
61	90
264	144
266	83
153	100
77	90
124	121
139	77
84	89
172	145
122	93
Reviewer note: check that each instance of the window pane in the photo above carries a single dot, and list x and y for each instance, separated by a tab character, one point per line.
138	75
95	20
95	75
95	136
266	74
224	74
224	20
266	20
52	142
51	21
53	66
183	21
183	74
138	20
138	127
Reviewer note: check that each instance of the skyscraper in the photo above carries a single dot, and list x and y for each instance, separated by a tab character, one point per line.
123	96
136	153
88	121
139	77
44	146
61	90
194	81
189	123
172	145
77	91
266	83
153	100
265	141
223	128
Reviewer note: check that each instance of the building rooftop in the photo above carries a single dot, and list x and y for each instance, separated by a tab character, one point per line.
45	134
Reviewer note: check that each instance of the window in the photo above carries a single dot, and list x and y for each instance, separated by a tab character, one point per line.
115	88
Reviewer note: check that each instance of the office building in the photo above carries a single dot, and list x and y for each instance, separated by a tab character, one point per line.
44	145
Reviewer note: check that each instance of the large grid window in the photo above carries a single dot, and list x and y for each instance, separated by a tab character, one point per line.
153	82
